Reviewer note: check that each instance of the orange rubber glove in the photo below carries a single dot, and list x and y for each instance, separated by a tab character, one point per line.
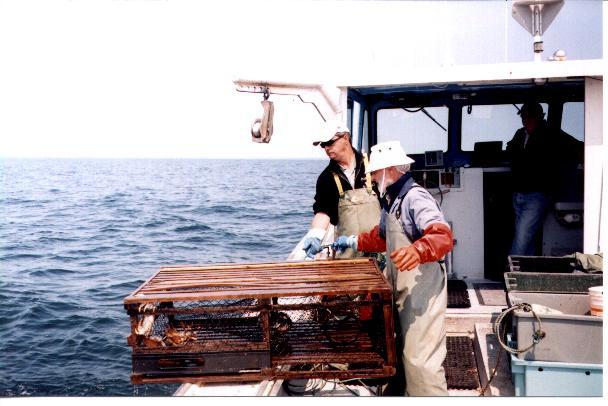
435	242
406	258
371	241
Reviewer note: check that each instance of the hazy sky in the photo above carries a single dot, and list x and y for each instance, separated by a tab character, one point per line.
153	78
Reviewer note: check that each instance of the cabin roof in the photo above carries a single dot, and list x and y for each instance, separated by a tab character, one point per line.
473	75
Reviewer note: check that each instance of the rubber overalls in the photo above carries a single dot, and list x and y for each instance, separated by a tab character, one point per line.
358	211
421	300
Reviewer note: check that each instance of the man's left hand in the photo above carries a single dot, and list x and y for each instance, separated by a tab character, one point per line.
312	246
406	258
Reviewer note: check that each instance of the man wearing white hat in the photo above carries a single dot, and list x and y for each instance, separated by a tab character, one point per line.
414	232
344	196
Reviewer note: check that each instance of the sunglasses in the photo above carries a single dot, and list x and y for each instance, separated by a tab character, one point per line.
331	142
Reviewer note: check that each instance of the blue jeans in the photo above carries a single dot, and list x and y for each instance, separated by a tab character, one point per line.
530	209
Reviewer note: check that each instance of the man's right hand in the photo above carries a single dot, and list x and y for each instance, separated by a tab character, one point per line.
343	242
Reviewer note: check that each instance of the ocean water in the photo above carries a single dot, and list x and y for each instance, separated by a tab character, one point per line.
78	236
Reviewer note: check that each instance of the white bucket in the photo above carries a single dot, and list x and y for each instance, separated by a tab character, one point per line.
596	300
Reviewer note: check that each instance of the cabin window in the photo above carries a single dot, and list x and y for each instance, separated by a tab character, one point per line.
573	119
354	130
419	129
495	122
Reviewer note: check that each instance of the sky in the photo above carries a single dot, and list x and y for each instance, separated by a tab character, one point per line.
154	78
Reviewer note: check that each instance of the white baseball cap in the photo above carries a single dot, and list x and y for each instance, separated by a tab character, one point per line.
330	129
387	154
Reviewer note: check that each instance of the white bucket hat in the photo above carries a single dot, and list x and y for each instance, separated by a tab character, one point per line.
387	154
330	129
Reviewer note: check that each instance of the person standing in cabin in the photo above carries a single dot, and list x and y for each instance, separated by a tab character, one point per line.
344	195
532	153
413	230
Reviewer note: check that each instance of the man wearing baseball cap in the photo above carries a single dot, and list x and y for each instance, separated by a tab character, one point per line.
344	195
414	233
533	156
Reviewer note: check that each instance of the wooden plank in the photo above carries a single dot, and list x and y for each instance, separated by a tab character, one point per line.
309	277
389	330
247	294
273	265
260	376
232	281
304	284
145	283
237	277
277	268
223	277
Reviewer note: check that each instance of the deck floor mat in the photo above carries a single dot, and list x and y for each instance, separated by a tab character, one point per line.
458	297
460	365
490	294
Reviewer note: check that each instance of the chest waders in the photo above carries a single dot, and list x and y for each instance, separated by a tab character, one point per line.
420	297
358	211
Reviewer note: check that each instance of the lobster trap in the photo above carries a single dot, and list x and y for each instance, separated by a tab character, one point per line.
251	322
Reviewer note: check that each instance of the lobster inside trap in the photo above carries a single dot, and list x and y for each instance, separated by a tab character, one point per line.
248	322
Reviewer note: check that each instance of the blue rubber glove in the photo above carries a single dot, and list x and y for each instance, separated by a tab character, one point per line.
343	242
312	246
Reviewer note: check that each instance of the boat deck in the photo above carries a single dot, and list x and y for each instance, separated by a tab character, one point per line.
487	301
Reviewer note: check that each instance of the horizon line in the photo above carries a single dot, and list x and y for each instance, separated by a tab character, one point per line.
167	158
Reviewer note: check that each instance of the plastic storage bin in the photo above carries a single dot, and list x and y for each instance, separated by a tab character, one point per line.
519	263
551	282
573	336
541	378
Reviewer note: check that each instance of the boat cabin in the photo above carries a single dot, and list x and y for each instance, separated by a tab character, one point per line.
457	134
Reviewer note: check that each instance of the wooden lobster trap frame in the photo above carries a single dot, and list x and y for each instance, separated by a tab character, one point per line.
250	322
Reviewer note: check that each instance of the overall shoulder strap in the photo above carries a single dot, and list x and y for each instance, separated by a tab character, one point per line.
409	184
338	184
399	201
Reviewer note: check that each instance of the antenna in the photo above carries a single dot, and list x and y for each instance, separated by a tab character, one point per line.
536	16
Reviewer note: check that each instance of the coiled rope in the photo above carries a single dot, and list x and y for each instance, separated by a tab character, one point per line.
538	335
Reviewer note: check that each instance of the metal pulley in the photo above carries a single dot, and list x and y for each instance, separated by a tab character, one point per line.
261	128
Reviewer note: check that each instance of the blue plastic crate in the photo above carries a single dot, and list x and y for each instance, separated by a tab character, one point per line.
543	378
